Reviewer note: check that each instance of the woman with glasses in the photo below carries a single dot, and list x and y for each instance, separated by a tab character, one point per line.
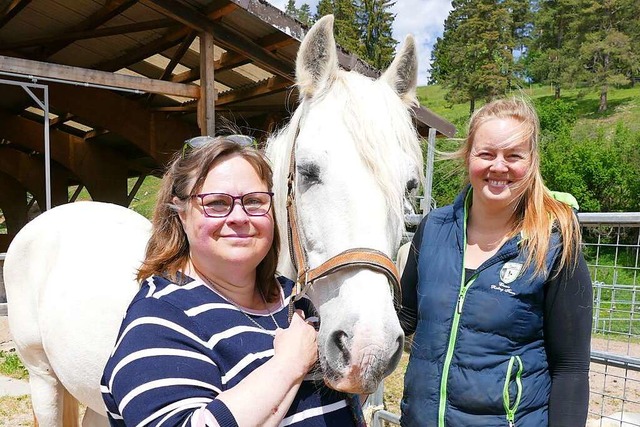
207	340
497	292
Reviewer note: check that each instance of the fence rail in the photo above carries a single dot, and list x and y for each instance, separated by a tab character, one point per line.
612	251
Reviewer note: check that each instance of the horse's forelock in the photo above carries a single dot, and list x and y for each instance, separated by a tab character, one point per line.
385	137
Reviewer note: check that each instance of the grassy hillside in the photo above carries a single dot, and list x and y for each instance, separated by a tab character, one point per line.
624	105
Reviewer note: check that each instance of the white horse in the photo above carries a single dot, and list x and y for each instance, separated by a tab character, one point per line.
69	274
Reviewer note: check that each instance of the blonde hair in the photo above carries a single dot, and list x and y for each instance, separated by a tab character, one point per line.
537	213
168	248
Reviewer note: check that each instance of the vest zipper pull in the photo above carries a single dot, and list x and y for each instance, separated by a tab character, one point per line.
460	302
512	424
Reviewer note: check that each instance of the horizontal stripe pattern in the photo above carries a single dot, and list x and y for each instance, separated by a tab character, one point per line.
179	346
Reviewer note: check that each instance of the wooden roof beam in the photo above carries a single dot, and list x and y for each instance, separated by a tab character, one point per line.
171	38
270	86
70	37
104	14
83	75
230	59
182	13
12	9
154	134
175	60
251	108
225	37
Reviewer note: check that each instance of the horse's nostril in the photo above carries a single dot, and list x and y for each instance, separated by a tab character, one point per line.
338	343
397	354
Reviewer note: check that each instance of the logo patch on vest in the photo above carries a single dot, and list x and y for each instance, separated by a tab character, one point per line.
510	272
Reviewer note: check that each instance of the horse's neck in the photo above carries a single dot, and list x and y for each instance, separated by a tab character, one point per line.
279	152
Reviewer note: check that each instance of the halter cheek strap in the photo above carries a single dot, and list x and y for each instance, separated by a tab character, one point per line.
371	259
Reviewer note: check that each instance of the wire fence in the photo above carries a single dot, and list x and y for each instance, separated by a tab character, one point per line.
612	251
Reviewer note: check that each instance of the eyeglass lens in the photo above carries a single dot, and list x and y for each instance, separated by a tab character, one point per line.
221	204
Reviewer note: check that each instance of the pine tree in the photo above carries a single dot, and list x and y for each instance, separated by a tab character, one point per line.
550	52
604	51
345	27
324	7
304	14
521	26
376	27
473	58
290	9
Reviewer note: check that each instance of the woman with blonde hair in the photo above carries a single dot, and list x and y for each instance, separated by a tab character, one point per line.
497	291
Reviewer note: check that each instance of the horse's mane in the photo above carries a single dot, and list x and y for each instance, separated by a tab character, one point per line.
370	121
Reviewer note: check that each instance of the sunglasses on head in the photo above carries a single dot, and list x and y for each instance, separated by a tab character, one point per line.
200	141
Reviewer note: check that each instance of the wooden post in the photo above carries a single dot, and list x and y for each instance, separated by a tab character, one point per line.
206	104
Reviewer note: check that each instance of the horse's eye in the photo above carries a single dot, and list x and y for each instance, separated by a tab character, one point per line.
310	173
412	185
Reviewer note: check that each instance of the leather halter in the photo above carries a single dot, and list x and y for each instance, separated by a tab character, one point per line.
371	259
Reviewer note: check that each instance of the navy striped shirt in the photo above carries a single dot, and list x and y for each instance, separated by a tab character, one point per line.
179	346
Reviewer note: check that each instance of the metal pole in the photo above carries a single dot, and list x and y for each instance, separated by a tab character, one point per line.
44	105
431	149
47	150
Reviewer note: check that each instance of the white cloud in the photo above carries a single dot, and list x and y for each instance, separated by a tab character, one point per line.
424	19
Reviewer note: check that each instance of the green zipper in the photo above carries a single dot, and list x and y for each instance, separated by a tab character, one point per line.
453	335
511	410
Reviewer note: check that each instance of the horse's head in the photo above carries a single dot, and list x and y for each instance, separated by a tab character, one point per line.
356	155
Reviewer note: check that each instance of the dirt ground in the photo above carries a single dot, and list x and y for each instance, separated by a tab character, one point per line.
5	336
609	386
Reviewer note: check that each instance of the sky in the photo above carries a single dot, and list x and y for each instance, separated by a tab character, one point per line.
422	18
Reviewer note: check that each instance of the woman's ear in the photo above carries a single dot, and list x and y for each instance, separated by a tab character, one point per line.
182	212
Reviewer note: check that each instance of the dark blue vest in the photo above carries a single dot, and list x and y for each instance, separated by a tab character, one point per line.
478	356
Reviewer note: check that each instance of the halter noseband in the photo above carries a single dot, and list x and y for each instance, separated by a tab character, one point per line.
371	259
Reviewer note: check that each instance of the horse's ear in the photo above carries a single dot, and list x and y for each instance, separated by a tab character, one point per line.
402	74
317	60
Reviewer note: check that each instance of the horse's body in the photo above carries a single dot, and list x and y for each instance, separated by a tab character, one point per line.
69	276
70	273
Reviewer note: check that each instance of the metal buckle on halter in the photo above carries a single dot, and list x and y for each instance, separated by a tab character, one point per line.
300	288
290	181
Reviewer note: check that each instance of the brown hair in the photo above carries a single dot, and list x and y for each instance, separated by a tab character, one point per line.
537	212
168	248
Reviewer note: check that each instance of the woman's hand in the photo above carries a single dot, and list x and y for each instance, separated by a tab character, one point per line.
296	346
275	384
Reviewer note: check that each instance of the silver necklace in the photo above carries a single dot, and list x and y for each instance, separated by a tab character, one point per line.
251	318
239	308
